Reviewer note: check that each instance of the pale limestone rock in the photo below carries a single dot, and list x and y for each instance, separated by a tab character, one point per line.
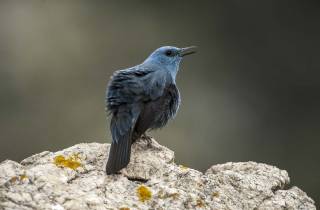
38	183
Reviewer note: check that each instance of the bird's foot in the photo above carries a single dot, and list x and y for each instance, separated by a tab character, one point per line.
146	138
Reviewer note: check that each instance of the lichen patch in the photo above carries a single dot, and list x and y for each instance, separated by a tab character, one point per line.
215	194
200	203
72	161
144	193
183	167
18	178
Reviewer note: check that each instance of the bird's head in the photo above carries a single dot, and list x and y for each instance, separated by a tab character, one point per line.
169	57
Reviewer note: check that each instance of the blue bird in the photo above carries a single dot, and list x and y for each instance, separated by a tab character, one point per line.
141	98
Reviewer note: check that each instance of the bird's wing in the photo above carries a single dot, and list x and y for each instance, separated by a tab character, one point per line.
122	124
134	85
126	91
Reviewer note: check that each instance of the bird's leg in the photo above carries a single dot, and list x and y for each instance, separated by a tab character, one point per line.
146	138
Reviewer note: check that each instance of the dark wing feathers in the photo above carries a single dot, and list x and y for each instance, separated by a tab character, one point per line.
127	86
126	91
121	126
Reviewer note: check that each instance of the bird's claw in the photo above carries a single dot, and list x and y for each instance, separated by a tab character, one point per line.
147	139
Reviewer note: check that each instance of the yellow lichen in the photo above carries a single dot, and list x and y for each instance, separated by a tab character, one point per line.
215	194
200	203
124	208
72	161
143	193
183	167
23	176
18	178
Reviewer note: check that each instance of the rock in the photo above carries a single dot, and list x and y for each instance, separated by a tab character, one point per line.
74	178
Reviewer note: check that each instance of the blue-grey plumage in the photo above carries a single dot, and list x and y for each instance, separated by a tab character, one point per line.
141	98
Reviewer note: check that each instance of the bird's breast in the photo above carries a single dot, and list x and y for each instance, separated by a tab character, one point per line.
165	107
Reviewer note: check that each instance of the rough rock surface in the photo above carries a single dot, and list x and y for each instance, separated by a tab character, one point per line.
74	178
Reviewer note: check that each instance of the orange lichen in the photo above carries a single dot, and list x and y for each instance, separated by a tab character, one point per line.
72	161
143	193
14	179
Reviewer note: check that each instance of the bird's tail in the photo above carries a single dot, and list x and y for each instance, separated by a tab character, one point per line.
119	154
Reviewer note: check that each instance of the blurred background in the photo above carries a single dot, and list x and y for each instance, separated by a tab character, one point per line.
250	93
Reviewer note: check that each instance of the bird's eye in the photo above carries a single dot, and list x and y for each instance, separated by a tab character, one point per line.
169	53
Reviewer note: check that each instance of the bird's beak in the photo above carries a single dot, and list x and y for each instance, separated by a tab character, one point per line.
187	50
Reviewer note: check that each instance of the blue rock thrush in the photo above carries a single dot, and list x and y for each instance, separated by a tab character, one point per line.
141	98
